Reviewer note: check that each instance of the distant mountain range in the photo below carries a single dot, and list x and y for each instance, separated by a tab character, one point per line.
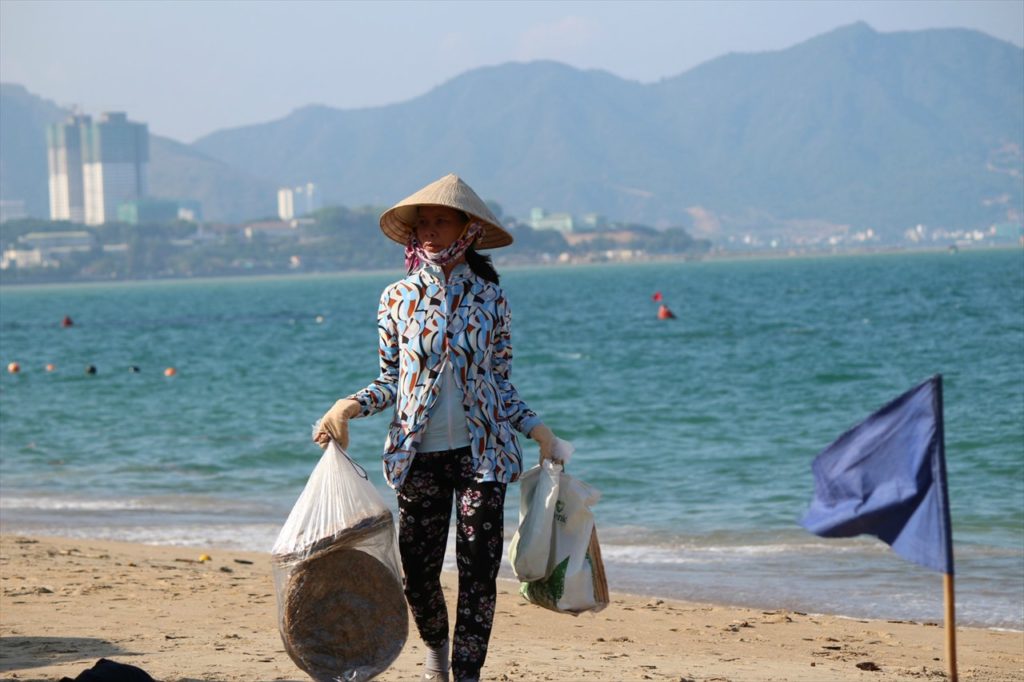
852	128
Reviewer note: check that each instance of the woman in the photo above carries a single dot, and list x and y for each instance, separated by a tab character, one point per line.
445	359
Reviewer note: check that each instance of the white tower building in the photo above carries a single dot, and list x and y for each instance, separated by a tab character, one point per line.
64	159
293	202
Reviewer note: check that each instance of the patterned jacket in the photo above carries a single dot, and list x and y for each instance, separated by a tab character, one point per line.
424	323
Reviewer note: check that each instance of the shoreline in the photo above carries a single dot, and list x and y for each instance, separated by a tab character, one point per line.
734	570
909	594
528	264
67	602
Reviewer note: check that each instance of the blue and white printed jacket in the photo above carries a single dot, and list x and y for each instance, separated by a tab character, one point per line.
425	323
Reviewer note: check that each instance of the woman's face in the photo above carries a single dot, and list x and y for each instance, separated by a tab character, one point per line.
438	226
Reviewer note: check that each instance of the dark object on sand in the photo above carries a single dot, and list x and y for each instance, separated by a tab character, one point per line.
111	671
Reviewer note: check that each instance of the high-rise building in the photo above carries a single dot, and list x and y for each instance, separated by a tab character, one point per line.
286	203
115	154
64	158
95	166
293	202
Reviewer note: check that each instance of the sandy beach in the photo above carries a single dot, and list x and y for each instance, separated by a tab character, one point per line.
67	602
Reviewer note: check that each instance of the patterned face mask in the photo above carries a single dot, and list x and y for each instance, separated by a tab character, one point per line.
415	254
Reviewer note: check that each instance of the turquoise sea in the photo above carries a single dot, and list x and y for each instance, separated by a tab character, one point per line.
699	431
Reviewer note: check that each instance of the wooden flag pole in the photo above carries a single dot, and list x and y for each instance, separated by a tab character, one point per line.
947	584
947	576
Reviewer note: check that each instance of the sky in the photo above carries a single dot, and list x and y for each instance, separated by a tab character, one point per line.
191	67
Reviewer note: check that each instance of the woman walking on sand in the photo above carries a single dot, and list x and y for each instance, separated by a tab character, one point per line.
445	359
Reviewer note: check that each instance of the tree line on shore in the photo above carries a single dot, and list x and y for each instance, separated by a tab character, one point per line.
333	239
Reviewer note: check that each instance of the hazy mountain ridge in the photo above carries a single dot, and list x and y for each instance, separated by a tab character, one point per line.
853	127
870	110
179	171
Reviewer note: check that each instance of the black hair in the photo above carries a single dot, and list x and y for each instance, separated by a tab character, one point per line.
481	265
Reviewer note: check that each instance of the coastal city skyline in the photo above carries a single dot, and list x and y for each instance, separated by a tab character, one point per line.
814	146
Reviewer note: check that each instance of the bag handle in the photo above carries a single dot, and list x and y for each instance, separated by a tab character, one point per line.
355	465
360	471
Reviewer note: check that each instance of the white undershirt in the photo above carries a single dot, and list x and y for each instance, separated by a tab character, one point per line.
446	425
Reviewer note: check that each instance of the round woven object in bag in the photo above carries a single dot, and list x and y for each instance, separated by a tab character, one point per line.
344	612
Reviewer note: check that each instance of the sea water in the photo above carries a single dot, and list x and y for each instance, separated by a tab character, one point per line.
698	431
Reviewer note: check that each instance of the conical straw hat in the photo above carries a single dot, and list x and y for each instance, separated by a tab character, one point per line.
450	191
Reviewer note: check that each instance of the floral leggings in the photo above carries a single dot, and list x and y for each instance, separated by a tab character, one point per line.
424	514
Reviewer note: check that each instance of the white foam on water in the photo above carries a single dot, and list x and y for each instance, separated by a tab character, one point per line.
65	504
697	552
166	504
255	537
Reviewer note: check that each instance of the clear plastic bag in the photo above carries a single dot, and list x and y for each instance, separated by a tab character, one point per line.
341	609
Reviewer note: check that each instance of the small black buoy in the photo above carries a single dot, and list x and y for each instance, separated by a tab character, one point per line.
90	369
134	369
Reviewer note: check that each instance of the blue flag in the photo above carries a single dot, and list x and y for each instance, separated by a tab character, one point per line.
887	477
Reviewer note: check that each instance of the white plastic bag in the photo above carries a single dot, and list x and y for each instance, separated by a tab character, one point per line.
555	551
530	558
530	549
341	609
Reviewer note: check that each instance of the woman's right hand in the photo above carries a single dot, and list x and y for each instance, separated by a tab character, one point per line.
334	423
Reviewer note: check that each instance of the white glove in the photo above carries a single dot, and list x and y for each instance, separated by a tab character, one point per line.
551	446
